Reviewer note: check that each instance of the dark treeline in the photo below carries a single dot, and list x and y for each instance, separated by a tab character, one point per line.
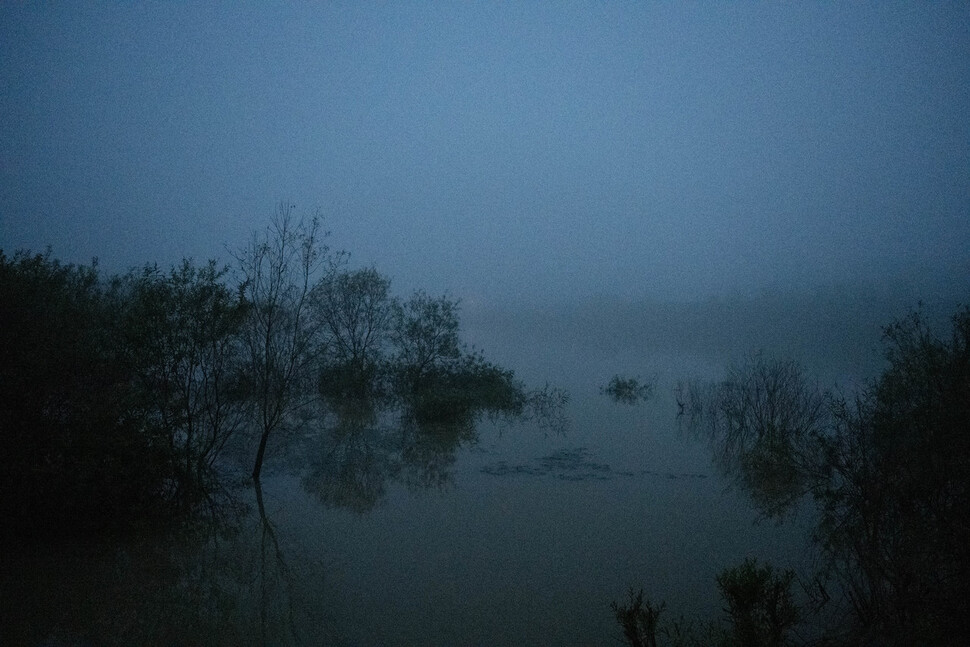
119	394
885	475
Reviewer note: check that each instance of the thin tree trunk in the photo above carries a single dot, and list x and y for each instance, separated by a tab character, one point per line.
259	455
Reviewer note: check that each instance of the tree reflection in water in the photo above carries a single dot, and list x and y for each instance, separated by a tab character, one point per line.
285	617
222	580
223	577
349	464
367	443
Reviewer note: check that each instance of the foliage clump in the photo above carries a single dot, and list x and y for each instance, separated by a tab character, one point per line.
119	395
887	470
638	618
115	394
760	613
759	603
627	390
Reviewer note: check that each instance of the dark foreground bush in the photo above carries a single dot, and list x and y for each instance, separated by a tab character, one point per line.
887	470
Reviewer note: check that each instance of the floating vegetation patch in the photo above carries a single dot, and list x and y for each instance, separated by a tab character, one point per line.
575	464
627	390
566	464
674	475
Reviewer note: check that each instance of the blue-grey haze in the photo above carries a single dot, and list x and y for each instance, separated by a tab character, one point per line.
635	188
517	151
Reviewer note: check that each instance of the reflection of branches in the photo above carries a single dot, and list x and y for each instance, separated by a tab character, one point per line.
351	469
546	408
353	461
759	421
170	587
218	580
415	436
429	448
268	537
691	396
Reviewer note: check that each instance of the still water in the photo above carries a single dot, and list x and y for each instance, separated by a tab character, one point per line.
509	534
487	532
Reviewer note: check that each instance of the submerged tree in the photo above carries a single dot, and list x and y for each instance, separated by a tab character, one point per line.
759	604
424	335
355	311
627	390
896	489
278	269
182	329
762	422
639	619
435	375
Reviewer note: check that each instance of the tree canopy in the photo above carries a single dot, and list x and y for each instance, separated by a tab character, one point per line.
120	394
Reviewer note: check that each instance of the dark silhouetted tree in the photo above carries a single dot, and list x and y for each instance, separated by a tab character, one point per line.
896	489
75	450
355	309
888	471
639	620
182	329
425	337
278	269
759	604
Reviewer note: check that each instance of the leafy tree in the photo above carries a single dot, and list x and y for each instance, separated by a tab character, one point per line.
74	448
895	489
460	389
424	334
355	309
183	333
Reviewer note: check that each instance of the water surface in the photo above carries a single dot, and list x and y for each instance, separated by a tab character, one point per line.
370	530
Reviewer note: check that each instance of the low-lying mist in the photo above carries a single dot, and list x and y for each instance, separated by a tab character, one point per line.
834	333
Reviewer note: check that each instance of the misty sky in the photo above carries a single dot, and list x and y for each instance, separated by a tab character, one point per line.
499	150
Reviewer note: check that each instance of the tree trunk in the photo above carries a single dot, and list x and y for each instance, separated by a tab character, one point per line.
259	455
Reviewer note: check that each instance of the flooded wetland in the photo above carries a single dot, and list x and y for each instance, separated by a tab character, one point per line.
484	524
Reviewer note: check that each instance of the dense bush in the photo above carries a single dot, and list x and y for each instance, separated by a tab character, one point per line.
627	390
759	607
76	446
893	490
119	394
